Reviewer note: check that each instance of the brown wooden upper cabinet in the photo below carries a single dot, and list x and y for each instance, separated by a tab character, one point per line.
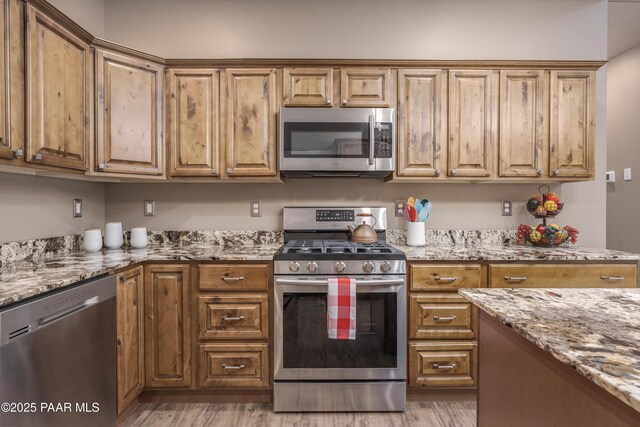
365	87
6	148
130	335
473	114
308	87
129	109
524	139
572	151
251	122
58	74
194	117
167	325
422	118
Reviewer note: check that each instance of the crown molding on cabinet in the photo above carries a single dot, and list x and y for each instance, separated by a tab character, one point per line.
392	63
103	44
62	19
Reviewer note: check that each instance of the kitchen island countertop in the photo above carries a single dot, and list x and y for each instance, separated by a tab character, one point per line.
594	331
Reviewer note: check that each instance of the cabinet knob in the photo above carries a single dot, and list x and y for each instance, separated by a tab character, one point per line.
329	101
540	172
454	171
438	172
101	167
344	102
556	172
36	156
18	153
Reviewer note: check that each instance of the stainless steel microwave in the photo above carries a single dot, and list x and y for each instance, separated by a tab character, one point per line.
337	142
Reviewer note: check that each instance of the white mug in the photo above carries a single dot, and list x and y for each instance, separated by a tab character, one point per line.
92	240
113	235
416	234
139	237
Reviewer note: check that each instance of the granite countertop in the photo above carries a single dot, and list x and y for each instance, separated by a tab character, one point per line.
594	331
27	278
498	252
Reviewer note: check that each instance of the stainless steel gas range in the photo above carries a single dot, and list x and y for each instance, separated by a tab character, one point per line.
311	371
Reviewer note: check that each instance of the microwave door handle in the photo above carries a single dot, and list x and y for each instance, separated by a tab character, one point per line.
376	282
371	138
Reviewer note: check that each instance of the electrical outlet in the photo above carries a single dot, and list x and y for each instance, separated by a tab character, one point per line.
627	174
398	207
611	177
149	208
507	208
77	208
256	207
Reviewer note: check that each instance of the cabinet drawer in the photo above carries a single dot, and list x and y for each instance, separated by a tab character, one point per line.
443	277
234	365
562	276
444	315
233	277
233	316
443	364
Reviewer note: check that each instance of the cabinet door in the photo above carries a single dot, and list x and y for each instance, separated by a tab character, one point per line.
422	99
573	99
473	106
365	87
523	109
308	87
58	68
167	331
129	110
130	336
6	150
251	122
194	118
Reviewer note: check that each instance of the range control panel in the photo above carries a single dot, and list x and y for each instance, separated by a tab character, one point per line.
383	137
331	215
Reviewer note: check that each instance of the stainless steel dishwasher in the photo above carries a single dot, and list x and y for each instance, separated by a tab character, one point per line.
58	358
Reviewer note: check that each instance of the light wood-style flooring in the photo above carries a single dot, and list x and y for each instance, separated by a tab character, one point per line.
422	414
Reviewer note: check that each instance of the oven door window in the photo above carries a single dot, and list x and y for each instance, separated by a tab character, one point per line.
326	140
305	340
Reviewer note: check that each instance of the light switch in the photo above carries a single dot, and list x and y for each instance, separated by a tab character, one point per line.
149	208
627	174
256	208
77	208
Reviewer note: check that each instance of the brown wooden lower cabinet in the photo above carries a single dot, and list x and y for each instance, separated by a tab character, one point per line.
167	325
130	336
443	364
234	365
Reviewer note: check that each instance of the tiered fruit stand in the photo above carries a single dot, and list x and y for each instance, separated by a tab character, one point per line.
545	207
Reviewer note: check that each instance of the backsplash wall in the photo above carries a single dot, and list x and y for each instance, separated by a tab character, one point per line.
226	206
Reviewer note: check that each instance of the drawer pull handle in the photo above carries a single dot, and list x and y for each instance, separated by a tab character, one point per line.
444	318
231	319
446	279
233	367
613	278
515	278
439	366
233	279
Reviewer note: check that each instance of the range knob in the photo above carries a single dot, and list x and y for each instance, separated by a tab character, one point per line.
312	266
385	267
340	266
368	267
294	266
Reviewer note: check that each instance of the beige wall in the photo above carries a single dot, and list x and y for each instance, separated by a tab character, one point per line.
33	206
89	14
439	29
623	150
490	29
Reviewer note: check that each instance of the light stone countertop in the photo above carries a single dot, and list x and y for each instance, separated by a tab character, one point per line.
594	331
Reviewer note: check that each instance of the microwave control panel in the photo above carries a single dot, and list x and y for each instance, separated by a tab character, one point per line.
383	137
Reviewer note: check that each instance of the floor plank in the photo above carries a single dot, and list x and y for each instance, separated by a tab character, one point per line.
423	414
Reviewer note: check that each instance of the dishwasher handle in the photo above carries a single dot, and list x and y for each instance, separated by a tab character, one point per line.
68	311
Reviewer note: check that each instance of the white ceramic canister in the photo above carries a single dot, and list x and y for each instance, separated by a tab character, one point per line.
113	235
416	234
139	237
92	240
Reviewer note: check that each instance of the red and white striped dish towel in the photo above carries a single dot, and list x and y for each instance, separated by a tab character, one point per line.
341	308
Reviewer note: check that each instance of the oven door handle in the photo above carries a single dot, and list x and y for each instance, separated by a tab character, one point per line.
372	139
368	282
